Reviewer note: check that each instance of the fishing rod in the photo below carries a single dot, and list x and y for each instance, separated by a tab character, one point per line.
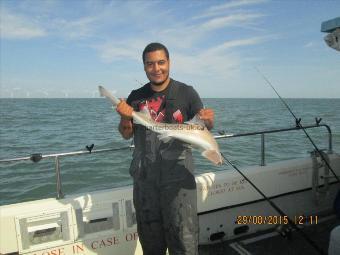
291	222
297	121
139	82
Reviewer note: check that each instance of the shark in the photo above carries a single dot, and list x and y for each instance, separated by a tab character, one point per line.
192	132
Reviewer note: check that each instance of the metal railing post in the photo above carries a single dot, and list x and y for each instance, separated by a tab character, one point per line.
330	145
58	178
263	160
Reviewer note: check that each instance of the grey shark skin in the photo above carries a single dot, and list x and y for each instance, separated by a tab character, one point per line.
191	132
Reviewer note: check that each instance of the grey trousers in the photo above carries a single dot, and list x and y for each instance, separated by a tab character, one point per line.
165	200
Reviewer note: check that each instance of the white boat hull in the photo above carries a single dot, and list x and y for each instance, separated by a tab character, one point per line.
103	222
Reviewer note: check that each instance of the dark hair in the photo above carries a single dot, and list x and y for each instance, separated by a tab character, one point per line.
153	47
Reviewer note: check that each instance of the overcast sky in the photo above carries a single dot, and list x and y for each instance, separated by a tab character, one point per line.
67	48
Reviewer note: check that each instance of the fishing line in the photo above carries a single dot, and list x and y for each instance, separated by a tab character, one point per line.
291	223
299	124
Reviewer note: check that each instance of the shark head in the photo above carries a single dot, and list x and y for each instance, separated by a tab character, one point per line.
214	156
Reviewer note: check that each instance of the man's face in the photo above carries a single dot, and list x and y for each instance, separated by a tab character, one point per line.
156	67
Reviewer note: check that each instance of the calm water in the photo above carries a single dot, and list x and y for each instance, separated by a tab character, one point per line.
63	125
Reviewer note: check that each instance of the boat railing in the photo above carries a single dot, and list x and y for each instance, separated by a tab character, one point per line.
263	132
222	135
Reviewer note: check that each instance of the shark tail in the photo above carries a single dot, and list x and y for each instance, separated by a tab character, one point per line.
105	93
214	156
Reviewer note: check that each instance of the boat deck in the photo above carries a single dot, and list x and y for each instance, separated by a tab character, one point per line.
272	242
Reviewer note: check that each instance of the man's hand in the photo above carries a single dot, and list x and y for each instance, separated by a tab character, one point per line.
124	110
207	115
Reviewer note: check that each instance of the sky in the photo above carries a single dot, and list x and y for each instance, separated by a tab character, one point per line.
59	49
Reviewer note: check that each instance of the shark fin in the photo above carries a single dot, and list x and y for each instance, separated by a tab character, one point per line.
213	156
142	115
195	121
165	138
146	113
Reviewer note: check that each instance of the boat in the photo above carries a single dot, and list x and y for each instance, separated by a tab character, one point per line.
229	208
240	212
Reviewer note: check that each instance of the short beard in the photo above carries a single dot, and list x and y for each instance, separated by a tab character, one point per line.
159	83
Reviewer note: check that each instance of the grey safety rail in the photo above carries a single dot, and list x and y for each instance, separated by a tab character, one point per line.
37	157
262	133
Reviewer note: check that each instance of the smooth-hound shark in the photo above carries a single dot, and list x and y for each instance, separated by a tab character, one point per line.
193	132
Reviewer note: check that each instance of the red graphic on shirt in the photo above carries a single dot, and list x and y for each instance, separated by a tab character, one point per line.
178	117
155	107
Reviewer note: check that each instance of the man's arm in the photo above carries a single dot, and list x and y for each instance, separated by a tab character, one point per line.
125	128
125	125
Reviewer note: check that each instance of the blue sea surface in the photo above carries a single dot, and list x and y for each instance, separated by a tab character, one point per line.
50	126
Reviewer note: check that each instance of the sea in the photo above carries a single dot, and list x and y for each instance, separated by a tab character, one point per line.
48	126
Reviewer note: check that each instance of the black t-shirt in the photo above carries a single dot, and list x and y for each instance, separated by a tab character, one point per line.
176	104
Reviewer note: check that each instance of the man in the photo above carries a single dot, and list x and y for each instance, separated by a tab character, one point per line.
164	188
